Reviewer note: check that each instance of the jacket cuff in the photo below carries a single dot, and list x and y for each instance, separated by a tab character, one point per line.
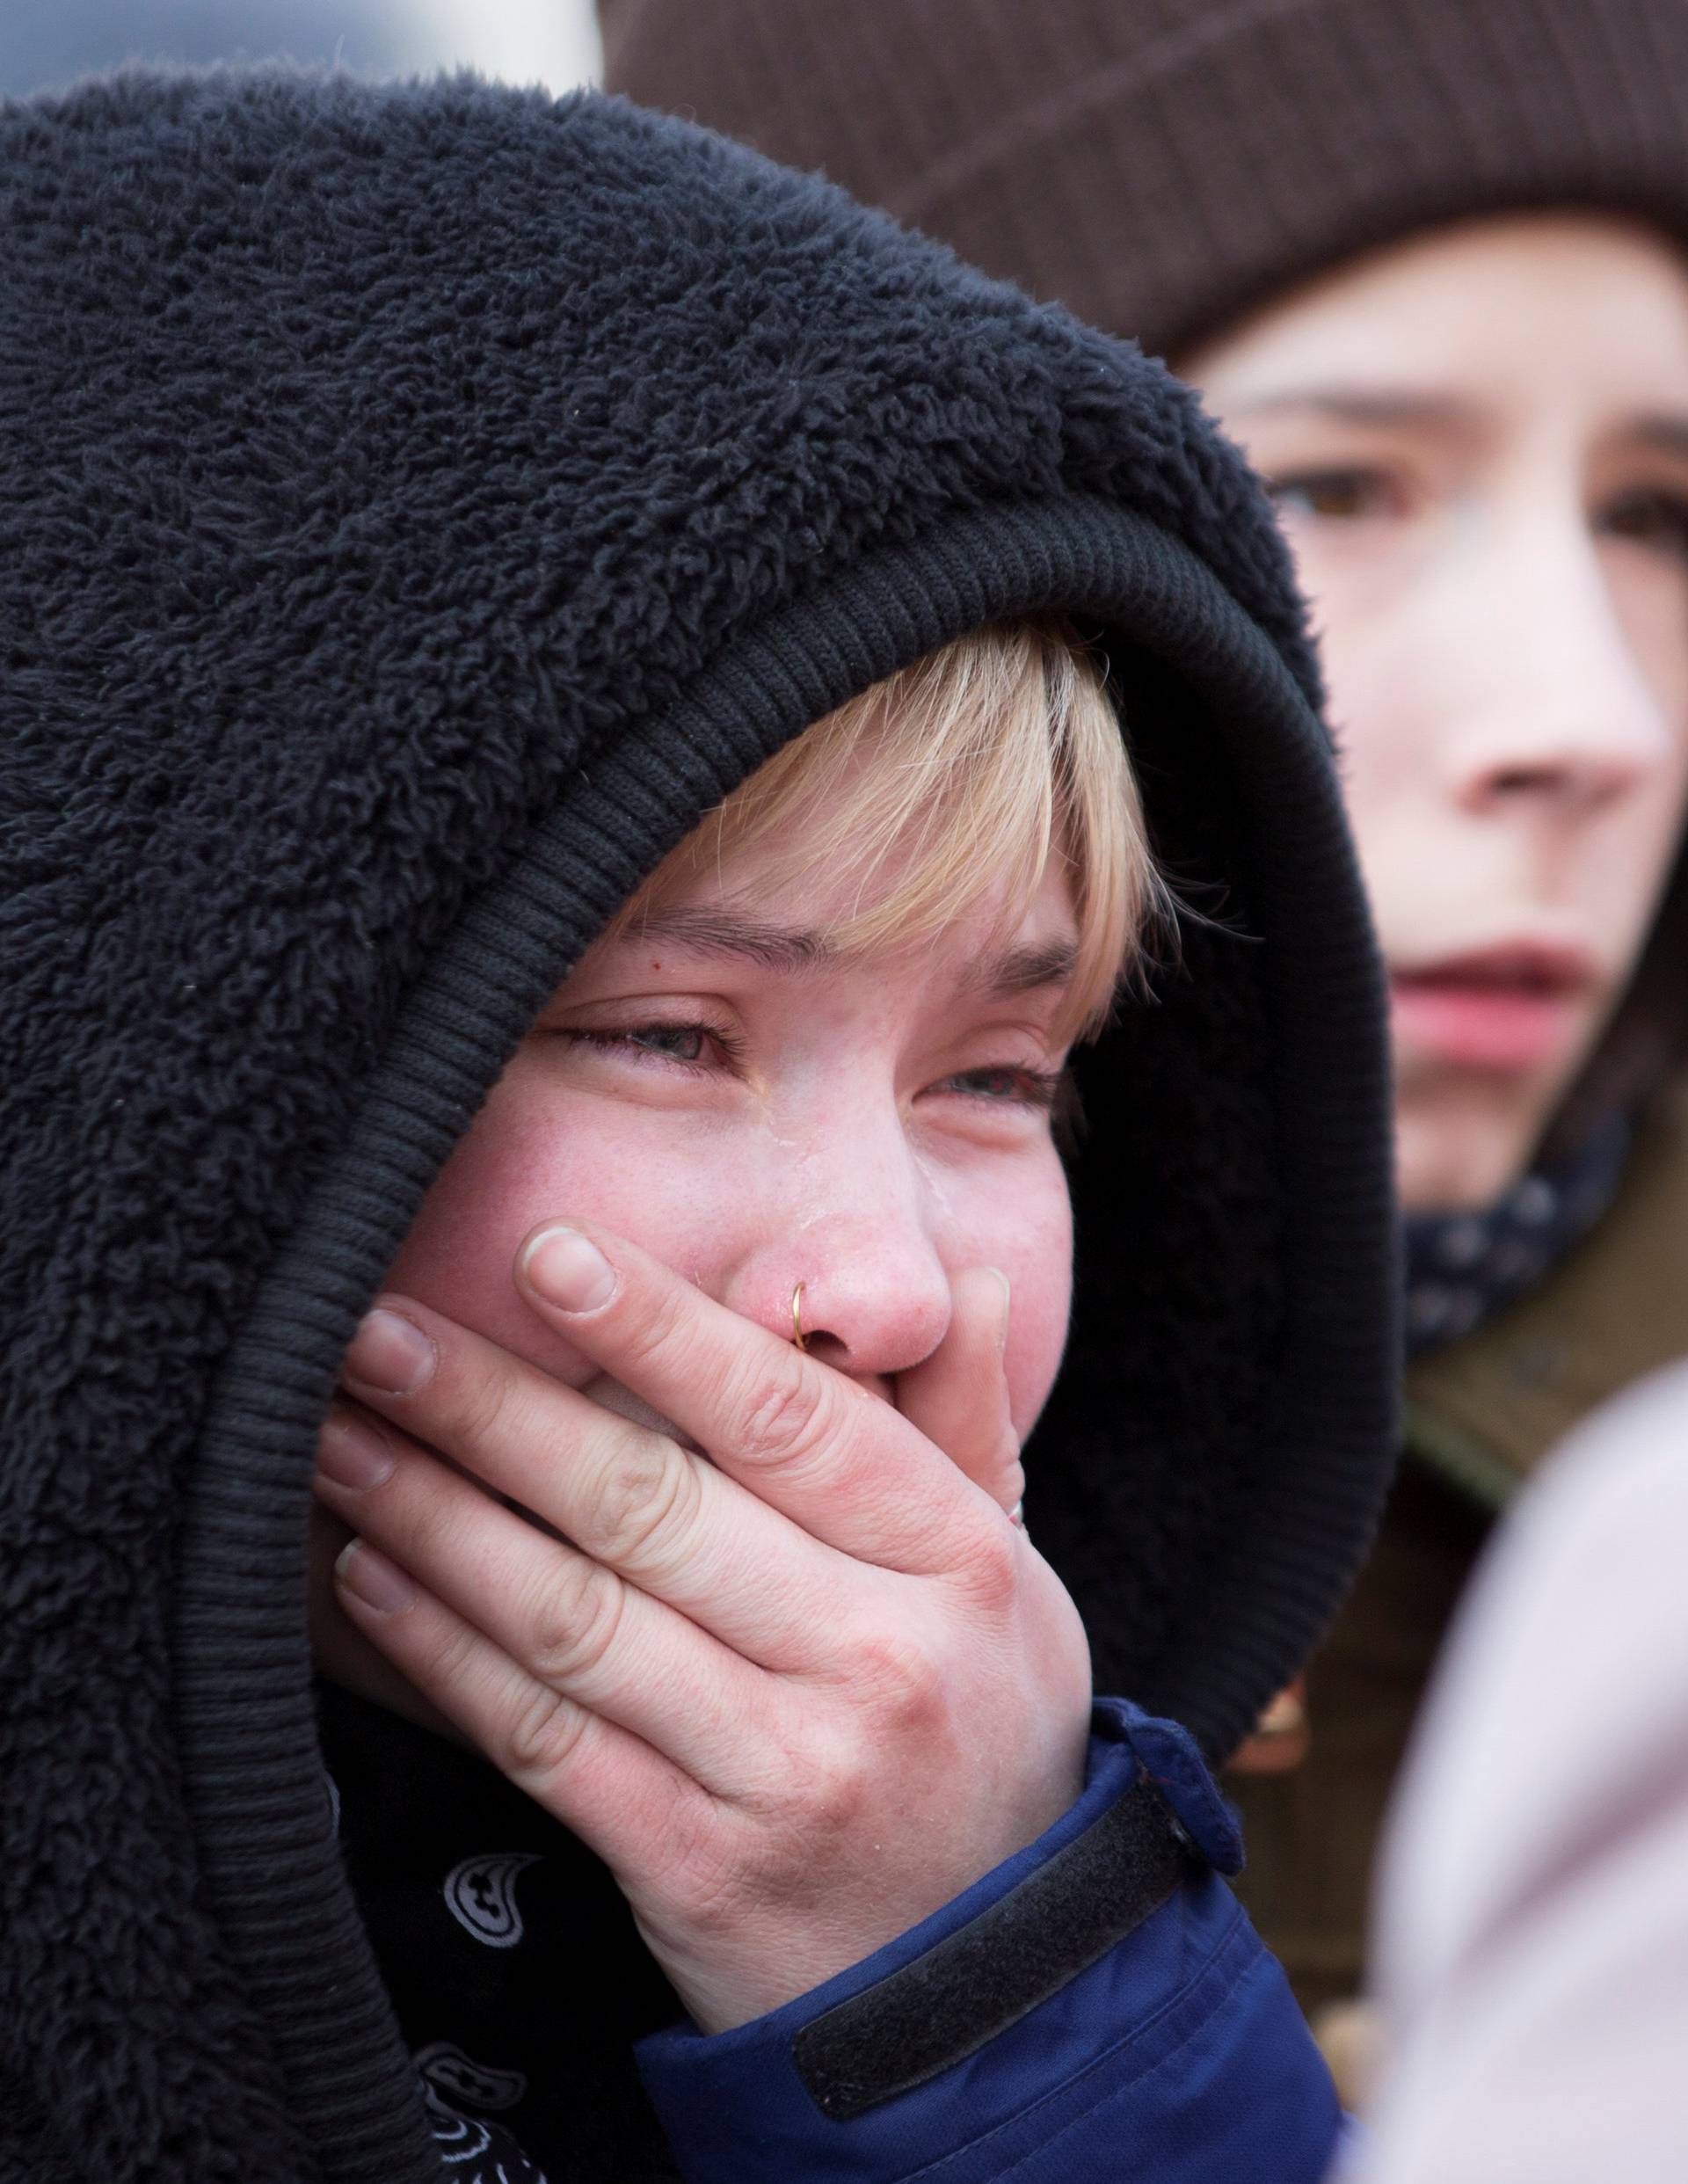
843	2082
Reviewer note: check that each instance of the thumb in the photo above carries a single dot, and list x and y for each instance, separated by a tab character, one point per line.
959	1397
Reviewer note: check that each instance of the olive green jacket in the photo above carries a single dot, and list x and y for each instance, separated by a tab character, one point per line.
1481	1414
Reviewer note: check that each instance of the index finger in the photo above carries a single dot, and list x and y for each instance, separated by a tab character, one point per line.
807	1440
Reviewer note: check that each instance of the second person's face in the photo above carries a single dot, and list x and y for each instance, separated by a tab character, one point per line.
1479	442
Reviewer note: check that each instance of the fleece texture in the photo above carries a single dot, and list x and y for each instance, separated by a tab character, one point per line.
417	506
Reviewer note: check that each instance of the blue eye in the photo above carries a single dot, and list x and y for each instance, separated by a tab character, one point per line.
678	1042
1029	1088
690	1047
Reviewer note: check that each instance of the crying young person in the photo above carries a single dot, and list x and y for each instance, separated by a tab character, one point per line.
685	980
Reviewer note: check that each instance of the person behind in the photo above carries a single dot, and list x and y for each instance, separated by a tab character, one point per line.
1425	261
1533	1931
606	758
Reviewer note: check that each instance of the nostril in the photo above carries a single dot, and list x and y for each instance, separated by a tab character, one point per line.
1583	782
832	1351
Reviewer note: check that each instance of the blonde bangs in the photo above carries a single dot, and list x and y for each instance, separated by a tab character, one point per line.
955	780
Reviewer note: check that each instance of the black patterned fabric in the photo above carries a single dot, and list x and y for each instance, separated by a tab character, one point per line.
417	506
518	1977
1463	1268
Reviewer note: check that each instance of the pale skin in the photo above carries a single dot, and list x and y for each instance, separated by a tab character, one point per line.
1479	442
791	1668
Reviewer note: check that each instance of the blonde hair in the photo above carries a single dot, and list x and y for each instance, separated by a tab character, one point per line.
956	776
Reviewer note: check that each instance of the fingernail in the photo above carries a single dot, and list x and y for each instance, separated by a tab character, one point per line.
568	1270
352	1454
367	1576
389	1354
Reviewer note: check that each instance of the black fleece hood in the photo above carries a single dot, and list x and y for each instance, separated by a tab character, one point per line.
420	506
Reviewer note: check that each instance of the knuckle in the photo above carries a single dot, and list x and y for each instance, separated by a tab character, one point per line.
453	1660
781	1414
420	1517
576	1622
837	1783
483	1401
897	1685
899	1679
991	1570
542	1735
663	1328
1009	1449
822	1785
639	1507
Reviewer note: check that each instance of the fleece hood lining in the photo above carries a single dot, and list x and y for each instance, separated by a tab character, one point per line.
240	1653
422	502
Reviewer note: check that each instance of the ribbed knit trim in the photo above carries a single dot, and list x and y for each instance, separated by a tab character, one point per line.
1161	171
271	1870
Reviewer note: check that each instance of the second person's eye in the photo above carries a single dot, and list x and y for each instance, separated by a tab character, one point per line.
1335	495
1652	517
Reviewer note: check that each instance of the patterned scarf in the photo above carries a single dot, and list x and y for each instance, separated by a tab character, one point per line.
1463	1268
518	1977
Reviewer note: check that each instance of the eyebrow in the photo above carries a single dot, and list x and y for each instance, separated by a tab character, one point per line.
1362	405
1403	407
1024	969
722	933
1028	970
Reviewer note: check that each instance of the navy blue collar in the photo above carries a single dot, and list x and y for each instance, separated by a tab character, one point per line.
1463	1268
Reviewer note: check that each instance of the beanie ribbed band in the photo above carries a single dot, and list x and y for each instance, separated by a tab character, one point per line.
1163	166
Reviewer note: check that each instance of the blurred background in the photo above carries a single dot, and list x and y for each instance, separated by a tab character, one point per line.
46	43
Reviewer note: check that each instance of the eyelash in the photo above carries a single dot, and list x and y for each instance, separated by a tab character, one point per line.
1372	486
626	1041
1636	516
1036	1087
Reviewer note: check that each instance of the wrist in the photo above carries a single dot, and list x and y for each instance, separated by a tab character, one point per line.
1073	1947
761	1963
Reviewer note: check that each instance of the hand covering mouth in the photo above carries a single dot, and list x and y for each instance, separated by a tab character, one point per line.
609	1394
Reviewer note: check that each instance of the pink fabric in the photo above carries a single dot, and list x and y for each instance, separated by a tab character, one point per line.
1533	1960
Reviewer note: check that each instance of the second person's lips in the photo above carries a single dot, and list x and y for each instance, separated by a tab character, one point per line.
1510	1006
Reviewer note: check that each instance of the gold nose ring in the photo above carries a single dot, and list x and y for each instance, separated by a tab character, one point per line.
798	1335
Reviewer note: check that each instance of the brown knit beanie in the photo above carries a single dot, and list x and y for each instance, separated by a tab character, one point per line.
1161	165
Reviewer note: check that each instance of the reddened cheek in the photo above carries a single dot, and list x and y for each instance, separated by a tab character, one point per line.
539	1154
460	1254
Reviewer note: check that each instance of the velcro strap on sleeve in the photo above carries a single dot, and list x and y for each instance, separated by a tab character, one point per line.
977	1982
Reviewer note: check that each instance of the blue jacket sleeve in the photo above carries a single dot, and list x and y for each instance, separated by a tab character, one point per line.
1098	2007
